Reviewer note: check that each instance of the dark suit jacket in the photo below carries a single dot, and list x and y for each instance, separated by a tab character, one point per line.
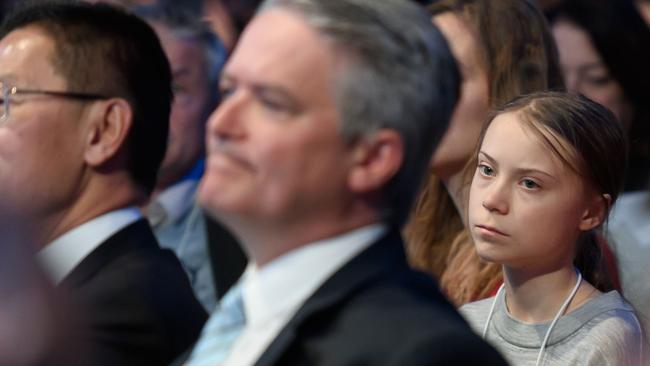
137	304
227	257
377	311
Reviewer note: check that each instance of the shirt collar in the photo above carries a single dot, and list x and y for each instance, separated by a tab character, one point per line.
286	283
61	256
177	199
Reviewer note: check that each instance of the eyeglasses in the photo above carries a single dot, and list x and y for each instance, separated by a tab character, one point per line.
8	92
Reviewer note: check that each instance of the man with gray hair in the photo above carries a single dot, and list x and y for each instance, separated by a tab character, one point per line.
331	111
196	57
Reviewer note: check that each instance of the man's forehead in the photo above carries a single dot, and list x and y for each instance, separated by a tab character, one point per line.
26	55
21	40
280	44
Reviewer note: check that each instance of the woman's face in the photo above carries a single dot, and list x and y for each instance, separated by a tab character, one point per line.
586	73
526	207
460	140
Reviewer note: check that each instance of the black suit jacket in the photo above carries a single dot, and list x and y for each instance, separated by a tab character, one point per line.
377	311
137	304
227	258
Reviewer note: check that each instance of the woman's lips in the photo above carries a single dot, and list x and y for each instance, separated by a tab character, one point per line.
490	230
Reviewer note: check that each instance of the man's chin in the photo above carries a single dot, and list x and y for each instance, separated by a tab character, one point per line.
210	198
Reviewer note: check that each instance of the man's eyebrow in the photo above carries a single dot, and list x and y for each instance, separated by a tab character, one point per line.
273	89
266	89
260	86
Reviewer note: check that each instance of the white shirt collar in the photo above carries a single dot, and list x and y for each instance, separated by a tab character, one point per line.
283	285
62	255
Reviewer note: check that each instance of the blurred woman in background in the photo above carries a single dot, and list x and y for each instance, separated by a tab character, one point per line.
604	49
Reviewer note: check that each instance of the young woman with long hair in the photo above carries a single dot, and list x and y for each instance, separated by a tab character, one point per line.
504	48
548	169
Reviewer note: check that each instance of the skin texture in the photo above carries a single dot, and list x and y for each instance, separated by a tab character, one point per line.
36	185
526	211
58	156
460	139
278	172
189	110
585	72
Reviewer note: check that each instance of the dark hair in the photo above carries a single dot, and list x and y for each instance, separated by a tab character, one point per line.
598	154
184	23
241	12
621	37
104	50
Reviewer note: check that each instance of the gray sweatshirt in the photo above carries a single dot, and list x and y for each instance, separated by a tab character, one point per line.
603	331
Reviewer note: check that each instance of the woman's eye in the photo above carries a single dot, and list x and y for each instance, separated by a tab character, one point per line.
485	170
529	184
600	80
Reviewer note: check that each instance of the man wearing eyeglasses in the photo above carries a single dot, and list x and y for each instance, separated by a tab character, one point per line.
86	94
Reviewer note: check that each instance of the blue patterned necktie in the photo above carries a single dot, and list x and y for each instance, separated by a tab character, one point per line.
221	331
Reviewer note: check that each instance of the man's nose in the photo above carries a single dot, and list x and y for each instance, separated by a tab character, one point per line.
227	121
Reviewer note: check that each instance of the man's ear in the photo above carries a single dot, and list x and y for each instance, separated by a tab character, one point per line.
375	160
110	122
596	213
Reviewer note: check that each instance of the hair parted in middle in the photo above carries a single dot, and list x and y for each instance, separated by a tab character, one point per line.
588	139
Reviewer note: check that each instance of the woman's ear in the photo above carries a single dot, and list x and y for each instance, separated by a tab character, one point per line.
596	213
375	160
110	123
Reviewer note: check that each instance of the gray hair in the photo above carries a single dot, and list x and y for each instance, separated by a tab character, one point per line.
185	23
399	74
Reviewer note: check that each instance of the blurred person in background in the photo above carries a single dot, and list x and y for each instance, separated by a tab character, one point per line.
229	17
34	318
196	57
629	237
604	55
226	258
84	124
503	49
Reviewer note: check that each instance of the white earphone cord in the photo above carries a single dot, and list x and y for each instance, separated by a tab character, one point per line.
550	328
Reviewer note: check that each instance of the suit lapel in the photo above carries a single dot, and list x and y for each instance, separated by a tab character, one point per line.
134	236
383	257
